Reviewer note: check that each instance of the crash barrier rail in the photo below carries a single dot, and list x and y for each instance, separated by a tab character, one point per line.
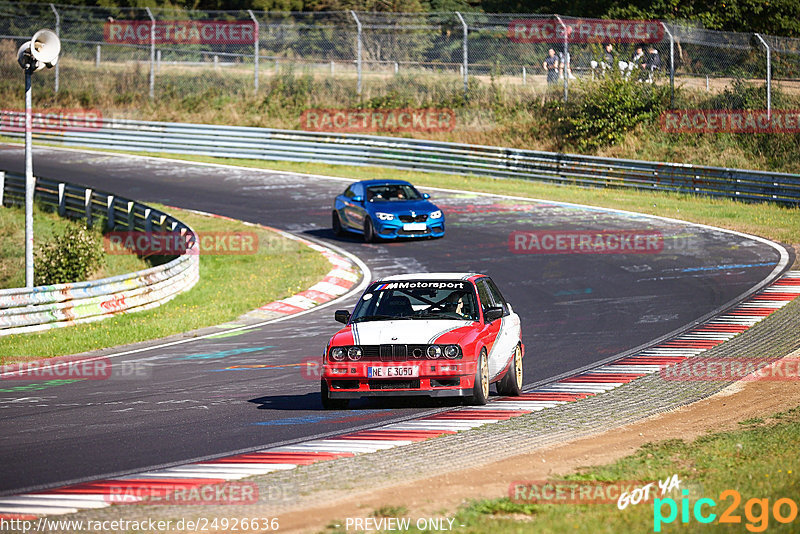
427	156
44	307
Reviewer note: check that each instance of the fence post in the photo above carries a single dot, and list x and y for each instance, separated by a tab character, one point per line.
769	77
58	33
97	56
2	186
671	66
358	48
152	52
565	59
255	49
524	76
464	52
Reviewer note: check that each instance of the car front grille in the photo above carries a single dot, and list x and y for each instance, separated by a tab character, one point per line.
394	384
393	353
409	218
413	232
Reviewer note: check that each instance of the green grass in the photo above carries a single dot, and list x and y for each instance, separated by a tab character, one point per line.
760	462
229	286
45	225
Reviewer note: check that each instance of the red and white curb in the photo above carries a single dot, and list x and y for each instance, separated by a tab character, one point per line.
98	494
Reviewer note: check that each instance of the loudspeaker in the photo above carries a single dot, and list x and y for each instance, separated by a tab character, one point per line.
40	52
45	47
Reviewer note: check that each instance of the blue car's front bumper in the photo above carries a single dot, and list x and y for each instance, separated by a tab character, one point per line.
396	228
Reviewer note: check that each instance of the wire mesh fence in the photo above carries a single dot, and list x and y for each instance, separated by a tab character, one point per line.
400	59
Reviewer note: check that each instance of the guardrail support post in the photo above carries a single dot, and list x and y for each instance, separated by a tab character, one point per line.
87	206
152	52
131	217
671	66
769	77
358	51
110	212
464	52
255	49
62	207
58	34
148	224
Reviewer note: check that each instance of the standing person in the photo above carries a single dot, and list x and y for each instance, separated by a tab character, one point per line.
636	63
551	65
652	64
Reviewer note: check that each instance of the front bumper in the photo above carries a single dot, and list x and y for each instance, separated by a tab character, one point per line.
396	229
436	378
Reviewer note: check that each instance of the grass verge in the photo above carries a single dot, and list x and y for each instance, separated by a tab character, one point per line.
45	225
229	286
754	461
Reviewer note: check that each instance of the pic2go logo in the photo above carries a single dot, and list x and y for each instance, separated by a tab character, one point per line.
756	511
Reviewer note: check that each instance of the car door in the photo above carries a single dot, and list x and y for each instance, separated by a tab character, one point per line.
508	330
352	210
491	330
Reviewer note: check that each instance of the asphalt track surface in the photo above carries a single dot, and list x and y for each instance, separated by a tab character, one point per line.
576	309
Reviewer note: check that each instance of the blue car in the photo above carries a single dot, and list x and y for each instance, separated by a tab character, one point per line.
386	209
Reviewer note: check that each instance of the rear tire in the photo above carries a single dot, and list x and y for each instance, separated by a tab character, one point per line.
336	223
511	383
480	390
369	231
327	402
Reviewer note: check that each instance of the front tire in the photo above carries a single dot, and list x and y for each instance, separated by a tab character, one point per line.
336	223
511	383
480	390
369	231
327	402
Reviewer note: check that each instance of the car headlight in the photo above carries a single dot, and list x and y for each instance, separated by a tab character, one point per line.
434	351
435	214
337	353
354	353
452	351
384	216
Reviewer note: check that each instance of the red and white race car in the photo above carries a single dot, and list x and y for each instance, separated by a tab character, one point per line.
433	334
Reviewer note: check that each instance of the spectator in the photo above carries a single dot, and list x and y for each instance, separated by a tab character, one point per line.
607	59
652	64
636	63
551	65
564	60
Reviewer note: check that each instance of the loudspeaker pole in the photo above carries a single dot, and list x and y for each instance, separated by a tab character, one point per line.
30	183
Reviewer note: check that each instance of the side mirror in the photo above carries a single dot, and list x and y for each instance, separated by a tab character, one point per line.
342	316
426	196
357	199
492	314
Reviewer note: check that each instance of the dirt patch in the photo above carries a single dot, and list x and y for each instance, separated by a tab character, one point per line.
431	496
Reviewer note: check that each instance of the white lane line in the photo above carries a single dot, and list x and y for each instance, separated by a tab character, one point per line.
157	475
434	425
631	368
47	500
35	509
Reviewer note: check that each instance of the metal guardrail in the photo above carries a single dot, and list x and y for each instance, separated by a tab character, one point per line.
422	155
44	307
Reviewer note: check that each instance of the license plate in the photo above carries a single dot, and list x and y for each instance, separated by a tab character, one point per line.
415	227
392	372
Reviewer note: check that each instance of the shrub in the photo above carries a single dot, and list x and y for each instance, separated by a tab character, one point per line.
71	256
606	111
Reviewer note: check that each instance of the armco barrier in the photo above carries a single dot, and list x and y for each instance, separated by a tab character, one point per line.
422	155
44	307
